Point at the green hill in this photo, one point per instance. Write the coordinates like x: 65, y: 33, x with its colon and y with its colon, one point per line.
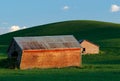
x: 106, y: 35
x: 101, y: 67
x: 103, y: 33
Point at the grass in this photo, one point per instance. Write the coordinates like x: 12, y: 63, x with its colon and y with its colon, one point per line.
x: 102, y: 67
x: 94, y: 73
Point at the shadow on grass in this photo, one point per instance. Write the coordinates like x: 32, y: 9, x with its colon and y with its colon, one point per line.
x: 4, y: 63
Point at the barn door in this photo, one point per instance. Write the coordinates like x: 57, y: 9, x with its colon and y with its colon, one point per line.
x: 14, y: 61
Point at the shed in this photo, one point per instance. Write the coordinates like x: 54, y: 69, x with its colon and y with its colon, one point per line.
x: 88, y: 47
x: 45, y: 52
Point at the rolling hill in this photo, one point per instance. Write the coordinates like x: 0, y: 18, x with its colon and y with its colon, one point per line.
x: 103, y: 33
x: 100, y: 67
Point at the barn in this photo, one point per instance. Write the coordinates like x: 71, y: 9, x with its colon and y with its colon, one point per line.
x: 45, y: 52
x: 88, y: 47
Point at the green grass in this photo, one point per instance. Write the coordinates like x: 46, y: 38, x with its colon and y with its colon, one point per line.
x: 94, y: 73
x: 102, y: 67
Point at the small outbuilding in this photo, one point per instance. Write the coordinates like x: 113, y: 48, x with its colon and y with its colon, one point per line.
x: 88, y: 47
x: 45, y: 52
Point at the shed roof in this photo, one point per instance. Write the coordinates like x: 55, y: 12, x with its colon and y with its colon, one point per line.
x: 47, y: 42
x: 81, y: 41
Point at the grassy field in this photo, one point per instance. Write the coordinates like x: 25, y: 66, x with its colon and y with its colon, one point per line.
x: 94, y: 73
x: 102, y: 67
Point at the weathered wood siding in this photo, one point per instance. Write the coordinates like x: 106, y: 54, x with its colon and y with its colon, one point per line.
x: 50, y: 58
x: 89, y: 48
x: 14, y: 47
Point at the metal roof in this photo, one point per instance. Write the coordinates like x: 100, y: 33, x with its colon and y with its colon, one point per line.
x: 47, y: 42
x: 81, y: 41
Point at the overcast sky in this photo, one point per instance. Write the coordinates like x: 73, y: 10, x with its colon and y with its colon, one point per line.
x: 20, y: 14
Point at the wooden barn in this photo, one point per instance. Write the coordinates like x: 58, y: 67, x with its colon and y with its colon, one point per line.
x: 45, y: 52
x: 88, y: 47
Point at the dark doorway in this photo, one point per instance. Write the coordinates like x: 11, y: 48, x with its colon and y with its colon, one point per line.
x: 14, y: 61
x: 83, y: 51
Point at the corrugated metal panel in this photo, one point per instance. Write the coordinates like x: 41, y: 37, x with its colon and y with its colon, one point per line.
x: 47, y: 42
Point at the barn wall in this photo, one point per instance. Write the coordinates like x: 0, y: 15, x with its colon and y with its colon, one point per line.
x: 11, y: 49
x: 14, y: 47
x: 90, y: 48
x: 50, y: 59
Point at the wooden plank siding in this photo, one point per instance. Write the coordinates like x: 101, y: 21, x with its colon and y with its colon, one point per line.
x: 50, y: 59
x: 89, y: 48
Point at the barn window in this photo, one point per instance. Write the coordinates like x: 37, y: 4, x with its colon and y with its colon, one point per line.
x: 83, y: 51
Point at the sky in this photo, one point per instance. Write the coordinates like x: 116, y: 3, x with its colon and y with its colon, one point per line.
x: 21, y: 14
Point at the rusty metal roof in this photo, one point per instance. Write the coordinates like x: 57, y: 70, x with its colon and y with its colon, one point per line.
x: 47, y: 42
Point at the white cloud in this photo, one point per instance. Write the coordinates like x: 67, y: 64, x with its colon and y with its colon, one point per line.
x: 15, y: 28
x: 3, y: 30
x: 66, y: 8
x: 24, y: 27
x: 115, y: 8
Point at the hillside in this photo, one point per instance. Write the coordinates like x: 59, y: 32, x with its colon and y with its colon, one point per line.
x: 103, y: 33
x: 106, y: 35
x: 100, y: 67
